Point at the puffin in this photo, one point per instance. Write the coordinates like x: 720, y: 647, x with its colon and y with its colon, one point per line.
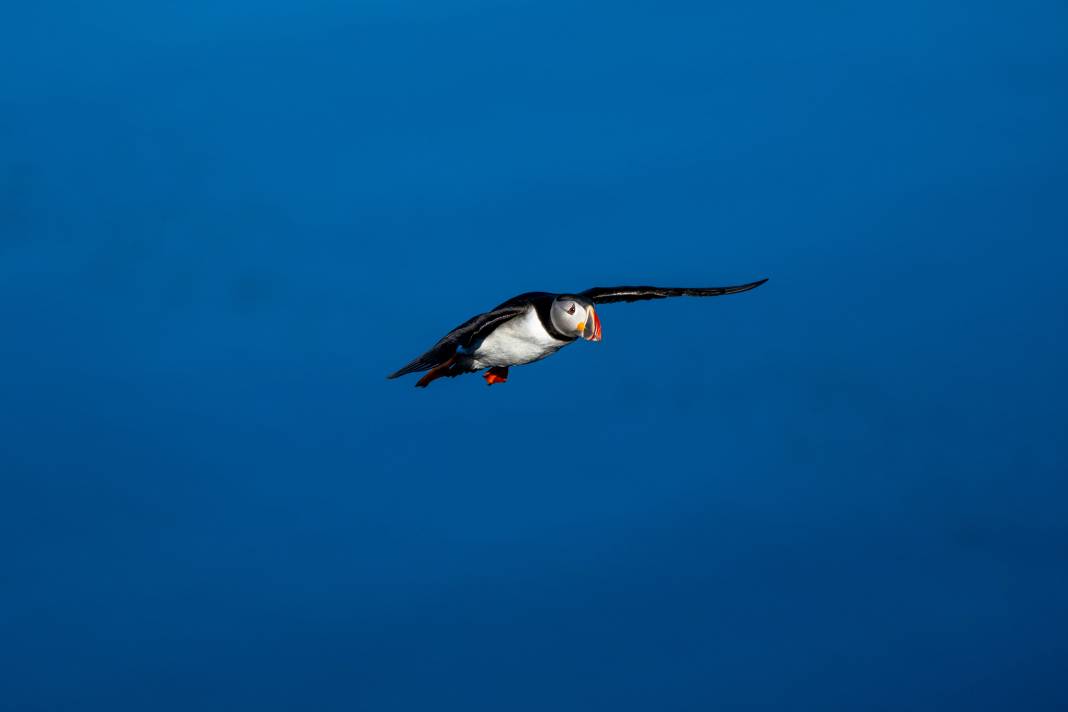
x: 532, y: 326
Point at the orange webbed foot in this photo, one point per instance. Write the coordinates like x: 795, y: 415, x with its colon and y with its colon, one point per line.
x: 496, y: 375
x: 436, y: 373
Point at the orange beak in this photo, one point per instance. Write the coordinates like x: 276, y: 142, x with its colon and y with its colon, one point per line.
x: 592, y: 330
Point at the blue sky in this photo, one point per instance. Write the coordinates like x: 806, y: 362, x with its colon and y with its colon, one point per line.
x: 223, y: 224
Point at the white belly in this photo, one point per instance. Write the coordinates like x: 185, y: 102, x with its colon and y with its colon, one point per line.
x: 521, y: 340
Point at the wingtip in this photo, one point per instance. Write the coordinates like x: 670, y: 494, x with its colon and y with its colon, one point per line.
x: 747, y: 287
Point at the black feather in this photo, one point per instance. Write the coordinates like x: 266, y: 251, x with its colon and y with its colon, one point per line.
x: 462, y: 336
x: 607, y: 295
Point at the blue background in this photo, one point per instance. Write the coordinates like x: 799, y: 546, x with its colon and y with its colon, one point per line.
x: 222, y: 224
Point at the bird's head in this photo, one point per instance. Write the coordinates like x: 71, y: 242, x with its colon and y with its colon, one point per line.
x: 575, y: 316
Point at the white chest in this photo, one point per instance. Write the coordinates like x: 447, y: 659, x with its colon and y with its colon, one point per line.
x: 521, y: 340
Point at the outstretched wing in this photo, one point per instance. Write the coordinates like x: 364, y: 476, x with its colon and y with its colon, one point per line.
x: 463, y: 335
x: 607, y: 295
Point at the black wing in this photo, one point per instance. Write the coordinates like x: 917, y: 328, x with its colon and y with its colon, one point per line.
x: 463, y: 335
x: 607, y: 295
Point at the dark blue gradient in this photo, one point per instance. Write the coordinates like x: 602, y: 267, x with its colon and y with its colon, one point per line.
x: 222, y: 224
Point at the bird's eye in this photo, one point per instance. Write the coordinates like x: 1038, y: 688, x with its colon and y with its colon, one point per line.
x: 571, y: 309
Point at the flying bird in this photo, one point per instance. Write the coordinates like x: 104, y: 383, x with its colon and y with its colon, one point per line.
x: 531, y: 326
